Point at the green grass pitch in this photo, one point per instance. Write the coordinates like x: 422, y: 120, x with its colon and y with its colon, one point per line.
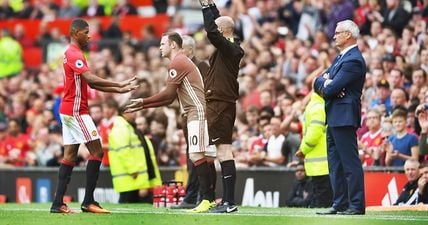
x: 144, y: 214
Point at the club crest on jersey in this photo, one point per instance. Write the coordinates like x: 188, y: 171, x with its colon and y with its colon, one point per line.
x: 94, y: 133
x: 173, y: 73
x: 79, y: 63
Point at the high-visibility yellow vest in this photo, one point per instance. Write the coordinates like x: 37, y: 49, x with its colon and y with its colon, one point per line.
x: 126, y: 157
x: 314, y: 142
x: 108, y: 5
x: 10, y: 57
x: 16, y: 5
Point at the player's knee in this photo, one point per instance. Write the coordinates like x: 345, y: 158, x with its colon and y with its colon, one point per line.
x: 210, y: 159
x: 70, y: 157
x: 196, y: 156
x: 224, y: 153
x: 98, y: 154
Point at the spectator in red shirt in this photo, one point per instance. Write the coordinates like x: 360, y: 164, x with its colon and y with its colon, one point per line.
x: 370, y: 144
x: 18, y: 146
x: 24, y: 39
x: 3, y: 156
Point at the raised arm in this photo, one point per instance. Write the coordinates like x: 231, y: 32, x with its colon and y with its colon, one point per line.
x: 219, y: 40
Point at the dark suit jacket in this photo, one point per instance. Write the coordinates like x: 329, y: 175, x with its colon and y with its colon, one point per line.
x: 348, y: 74
x: 398, y: 21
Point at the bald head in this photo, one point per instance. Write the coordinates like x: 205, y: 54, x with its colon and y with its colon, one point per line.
x: 225, y: 25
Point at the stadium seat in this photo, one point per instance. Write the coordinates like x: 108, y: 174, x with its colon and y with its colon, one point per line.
x: 32, y: 57
x: 137, y: 3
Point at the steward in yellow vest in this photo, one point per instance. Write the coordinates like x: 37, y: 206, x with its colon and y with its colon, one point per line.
x: 132, y: 160
x: 10, y: 55
x: 314, y: 150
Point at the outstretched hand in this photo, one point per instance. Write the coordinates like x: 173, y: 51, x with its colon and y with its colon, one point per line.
x: 134, y: 105
x: 129, y: 85
x: 128, y: 81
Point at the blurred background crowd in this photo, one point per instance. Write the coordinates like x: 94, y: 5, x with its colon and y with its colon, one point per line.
x: 287, y: 43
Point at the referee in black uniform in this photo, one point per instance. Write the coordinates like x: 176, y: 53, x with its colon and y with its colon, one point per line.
x: 221, y: 93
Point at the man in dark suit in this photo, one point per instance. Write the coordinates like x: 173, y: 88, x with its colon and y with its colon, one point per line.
x: 341, y: 87
x: 395, y: 16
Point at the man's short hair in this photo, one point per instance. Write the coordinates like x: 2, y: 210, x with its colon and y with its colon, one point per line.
x: 175, y: 37
x: 78, y: 24
x: 349, y: 25
x: 411, y: 161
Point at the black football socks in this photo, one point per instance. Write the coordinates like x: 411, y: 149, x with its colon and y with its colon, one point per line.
x: 92, y: 173
x: 64, y: 176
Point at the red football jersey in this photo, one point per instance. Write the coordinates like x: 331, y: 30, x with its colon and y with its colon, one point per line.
x: 75, y: 99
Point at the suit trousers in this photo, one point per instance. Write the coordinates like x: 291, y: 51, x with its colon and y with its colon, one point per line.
x: 346, y: 171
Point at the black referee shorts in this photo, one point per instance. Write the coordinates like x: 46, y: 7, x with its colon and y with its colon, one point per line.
x: 221, y: 119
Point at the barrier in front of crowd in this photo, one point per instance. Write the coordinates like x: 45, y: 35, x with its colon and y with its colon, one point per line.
x: 265, y: 187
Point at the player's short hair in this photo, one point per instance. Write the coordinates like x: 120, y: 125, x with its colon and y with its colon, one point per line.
x: 175, y: 37
x: 77, y: 25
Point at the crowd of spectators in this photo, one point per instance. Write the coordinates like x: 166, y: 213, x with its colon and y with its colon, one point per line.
x: 287, y: 43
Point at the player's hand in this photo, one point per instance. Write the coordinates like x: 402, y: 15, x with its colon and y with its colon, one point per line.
x: 134, y: 105
x: 129, y: 88
x: 129, y: 85
x: 128, y: 82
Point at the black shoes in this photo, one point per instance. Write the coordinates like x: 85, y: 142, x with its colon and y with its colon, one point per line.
x: 352, y: 212
x: 184, y: 205
x: 63, y: 208
x: 224, y: 208
x: 333, y: 211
